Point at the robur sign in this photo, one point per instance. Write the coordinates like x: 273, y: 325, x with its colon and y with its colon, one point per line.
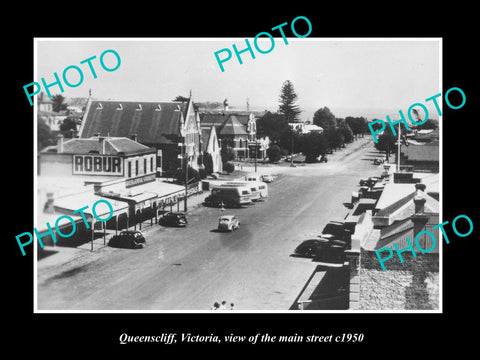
x: 97, y: 165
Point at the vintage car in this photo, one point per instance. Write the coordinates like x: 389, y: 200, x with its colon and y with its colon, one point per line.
x: 129, y: 239
x: 267, y: 178
x: 311, y: 247
x: 228, y: 223
x: 174, y: 219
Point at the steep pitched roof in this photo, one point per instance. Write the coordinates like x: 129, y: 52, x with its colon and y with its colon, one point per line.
x: 220, y: 120
x: 153, y: 122
x: 205, y: 137
x: 217, y: 120
x: 233, y: 127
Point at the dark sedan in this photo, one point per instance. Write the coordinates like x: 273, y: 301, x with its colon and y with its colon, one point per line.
x: 129, y: 239
x: 174, y: 219
x: 334, y: 230
x: 369, y: 182
x: 311, y: 248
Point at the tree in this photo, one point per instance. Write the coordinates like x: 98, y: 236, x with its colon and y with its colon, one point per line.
x: 386, y: 142
x: 287, y: 107
x: 208, y: 163
x: 44, y: 135
x: 273, y: 125
x: 324, y: 118
x: 274, y: 153
x: 313, y: 145
x: 181, y: 98
x: 288, y: 137
x: 346, y: 131
x: 66, y: 127
x: 228, y: 167
x: 430, y: 124
x: 330, y: 134
x: 57, y: 103
x: 193, y: 174
x: 227, y: 154
x: 357, y: 124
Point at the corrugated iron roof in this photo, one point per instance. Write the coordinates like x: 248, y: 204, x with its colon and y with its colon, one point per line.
x: 149, y: 120
x: 94, y: 145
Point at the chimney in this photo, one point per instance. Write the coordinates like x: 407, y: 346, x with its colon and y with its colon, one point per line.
x: 48, y: 206
x: 134, y: 137
x: 419, y: 203
x: 420, y: 186
x: 60, y: 143
x: 101, y: 140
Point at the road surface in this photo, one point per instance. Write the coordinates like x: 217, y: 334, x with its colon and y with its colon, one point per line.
x: 191, y: 268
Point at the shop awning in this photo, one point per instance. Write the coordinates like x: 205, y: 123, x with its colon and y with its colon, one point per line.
x: 69, y: 204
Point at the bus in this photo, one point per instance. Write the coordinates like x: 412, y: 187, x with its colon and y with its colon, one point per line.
x: 259, y: 189
x: 229, y: 196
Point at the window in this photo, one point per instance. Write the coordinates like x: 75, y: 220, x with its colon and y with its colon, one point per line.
x: 144, y: 165
x: 136, y: 167
x: 129, y: 169
x: 151, y: 164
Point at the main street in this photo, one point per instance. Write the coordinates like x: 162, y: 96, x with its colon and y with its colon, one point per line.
x: 193, y: 267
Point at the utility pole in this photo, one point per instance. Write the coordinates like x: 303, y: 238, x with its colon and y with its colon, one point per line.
x: 398, y: 147
x: 184, y: 159
x: 291, y: 152
x: 256, y: 149
x: 186, y: 181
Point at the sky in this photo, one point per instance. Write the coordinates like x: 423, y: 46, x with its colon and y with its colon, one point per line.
x: 350, y: 76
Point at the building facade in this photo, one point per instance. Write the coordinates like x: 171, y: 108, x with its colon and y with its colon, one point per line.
x: 99, y: 156
x: 238, y: 130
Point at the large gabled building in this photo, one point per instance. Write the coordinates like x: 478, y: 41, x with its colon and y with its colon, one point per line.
x: 172, y: 127
x: 237, y: 130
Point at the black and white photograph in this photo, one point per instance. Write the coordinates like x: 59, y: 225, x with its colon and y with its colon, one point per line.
x: 291, y: 181
x: 203, y: 179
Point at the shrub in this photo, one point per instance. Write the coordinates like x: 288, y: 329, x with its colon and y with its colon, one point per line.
x: 228, y: 167
x: 202, y: 173
x: 274, y: 153
x: 192, y: 174
x: 208, y: 163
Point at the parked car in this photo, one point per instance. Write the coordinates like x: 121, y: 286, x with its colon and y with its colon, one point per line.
x: 174, y: 219
x: 322, y: 158
x: 378, y: 161
x: 334, y: 230
x: 311, y: 248
x: 211, y: 201
x: 267, y: 178
x: 129, y: 239
x: 228, y: 223
x: 369, y: 182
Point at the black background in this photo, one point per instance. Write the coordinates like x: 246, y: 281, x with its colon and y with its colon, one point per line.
x: 385, y: 334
